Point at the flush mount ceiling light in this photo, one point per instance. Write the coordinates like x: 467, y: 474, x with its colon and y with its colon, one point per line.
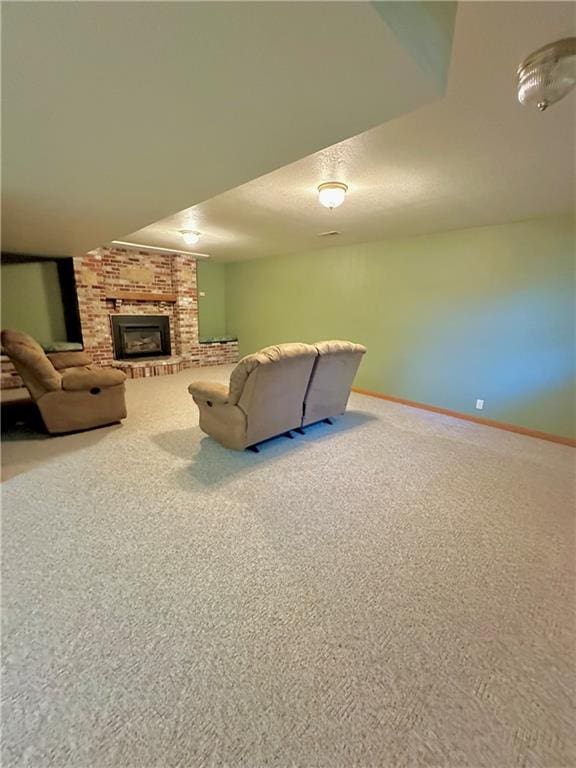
x: 548, y: 74
x: 332, y: 194
x: 190, y: 237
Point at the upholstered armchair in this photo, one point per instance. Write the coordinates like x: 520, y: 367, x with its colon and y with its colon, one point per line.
x: 264, y: 397
x: 71, y: 393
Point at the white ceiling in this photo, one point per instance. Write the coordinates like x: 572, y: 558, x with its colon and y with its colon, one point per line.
x: 475, y: 157
x: 117, y: 113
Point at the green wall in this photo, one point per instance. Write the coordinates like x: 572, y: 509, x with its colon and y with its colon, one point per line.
x: 447, y: 318
x: 211, y: 278
x: 31, y: 300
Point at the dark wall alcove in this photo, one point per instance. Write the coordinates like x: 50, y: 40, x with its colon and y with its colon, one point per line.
x: 63, y: 297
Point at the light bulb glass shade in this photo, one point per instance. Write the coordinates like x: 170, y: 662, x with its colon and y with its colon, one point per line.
x: 332, y: 193
x: 190, y: 237
x: 548, y: 74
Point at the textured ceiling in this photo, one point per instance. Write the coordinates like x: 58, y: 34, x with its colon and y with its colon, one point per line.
x: 118, y: 113
x: 475, y: 157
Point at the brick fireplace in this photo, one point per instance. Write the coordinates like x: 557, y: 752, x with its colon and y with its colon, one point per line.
x: 121, y: 282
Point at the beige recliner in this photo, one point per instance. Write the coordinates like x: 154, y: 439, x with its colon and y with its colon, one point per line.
x: 70, y: 392
x: 331, y: 380
x: 270, y: 389
x: 264, y: 398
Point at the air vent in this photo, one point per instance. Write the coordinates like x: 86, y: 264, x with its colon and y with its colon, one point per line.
x: 329, y: 234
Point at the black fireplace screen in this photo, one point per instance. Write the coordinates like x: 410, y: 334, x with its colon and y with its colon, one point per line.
x: 140, y: 336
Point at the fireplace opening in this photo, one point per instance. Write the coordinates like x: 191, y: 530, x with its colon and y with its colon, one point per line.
x: 140, y: 336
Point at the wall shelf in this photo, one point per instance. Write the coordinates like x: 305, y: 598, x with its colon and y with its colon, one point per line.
x: 134, y: 296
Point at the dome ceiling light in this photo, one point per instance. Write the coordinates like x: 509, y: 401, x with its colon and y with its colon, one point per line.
x: 332, y: 194
x: 190, y: 237
x: 548, y: 74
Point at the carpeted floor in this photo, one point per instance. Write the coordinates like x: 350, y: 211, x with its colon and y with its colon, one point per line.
x: 394, y: 590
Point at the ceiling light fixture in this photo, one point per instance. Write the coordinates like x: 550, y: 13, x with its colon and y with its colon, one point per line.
x: 190, y: 237
x: 332, y: 194
x: 548, y: 74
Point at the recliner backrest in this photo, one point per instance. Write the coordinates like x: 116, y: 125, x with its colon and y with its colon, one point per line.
x: 331, y: 380
x: 269, y: 386
x: 31, y: 362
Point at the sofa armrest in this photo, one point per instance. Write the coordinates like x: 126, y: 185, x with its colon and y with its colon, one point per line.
x: 79, y: 379
x: 209, y: 391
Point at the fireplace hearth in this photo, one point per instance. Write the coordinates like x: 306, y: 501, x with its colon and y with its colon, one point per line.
x: 139, y: 336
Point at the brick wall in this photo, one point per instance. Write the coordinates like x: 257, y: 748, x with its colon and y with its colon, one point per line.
x: 186, y: 307
x: 110, y: 270
x: 219, y: 353
x: 101, y: 274
x: 9, y: 378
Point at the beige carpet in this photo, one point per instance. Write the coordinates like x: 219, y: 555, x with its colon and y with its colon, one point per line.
x: 395, y: 590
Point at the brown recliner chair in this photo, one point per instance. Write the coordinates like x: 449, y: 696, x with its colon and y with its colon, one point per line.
x: 331, y: 380
x: 264, y: 399
x: 70, y: 392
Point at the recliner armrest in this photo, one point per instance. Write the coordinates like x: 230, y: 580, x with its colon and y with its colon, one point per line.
x: 209, y: 391
x: 62, y: 360
x: 80, y: 379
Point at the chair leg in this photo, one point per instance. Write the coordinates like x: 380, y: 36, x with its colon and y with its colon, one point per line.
x: 254, y: 448
x: 300, y: 431
x: 289, y: 434
x: 328, y: 421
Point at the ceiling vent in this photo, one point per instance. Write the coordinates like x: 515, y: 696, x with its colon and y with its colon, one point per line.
x: 332, y: 233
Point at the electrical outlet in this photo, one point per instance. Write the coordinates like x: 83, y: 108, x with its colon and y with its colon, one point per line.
x: 479, y: 405
x: 202, y: 293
